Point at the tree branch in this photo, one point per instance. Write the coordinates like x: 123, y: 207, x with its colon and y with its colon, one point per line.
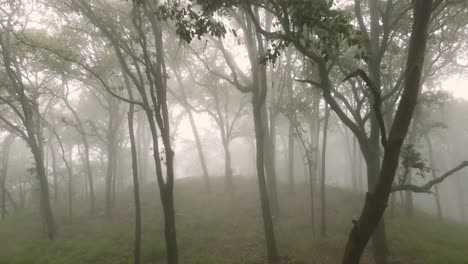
x: 377, y: 101
x: 426, y: 187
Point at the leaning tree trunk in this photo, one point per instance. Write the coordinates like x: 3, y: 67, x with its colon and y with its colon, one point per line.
x: 201, y: 155
x: 376, y: 200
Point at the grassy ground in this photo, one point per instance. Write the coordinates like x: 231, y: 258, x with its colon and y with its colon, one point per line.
x: 216, y: 229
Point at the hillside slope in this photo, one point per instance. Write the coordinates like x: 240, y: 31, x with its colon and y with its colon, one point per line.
x: 215, y: 228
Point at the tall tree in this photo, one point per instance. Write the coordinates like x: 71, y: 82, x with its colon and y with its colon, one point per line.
x: 376, y: 201
x: 22, y: 99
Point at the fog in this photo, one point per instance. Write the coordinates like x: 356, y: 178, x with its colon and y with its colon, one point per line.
x: 273, y: 131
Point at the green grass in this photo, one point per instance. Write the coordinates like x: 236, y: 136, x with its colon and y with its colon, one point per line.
x: 216, y: 229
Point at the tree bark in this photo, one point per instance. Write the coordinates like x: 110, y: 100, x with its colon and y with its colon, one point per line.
x: 262, y: 184
x: 376, y: 201
x: 269, y: 154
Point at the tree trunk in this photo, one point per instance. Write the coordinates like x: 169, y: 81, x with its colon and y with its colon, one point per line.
x: 201, y: 155
x: 433, y: 172
x: 272, y: 251
x: 109, y: 177
x: 409, y: 207
x: 291, y: 158
x: 228, y: 183
x: 323, y: 225
x: 359, y: 171
x: 115, y: 170
x: 376, y: 201
x: 136, y: 186
x: 89, y: 172
x: 111, y: 155
x: 54, y: 168
x: 354, y: 165
x: 461, y: 199
x: 70, y: 184
x: 269, y: 156
x: 4, y: 171
x: 46, y: 208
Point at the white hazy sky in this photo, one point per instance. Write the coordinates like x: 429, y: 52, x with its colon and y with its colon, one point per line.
x: 457, y: 85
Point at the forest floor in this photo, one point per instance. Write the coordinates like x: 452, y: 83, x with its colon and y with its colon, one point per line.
x: 216, y: 228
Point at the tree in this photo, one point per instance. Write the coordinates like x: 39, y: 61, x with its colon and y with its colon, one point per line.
x: 376, y: 201
x: 21, y: 98
x: 224, y: 107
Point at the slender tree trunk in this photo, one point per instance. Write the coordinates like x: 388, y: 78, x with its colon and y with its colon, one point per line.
x: 409, y: 207
x: 409, y: 204
x: 354, y: 165
x: 54, y: 168
x: 323, y: 226
x: 4, y: 171
x: 376, y: 200
x: 89, y: 172
x: 433, y: 172
x: 115, y: 170
x: 70, y: 184
x: 201, y: 155
x: 22, y: 193
x: 262, y: 184
x: 291, y: 158
x: 109, y: 177
x: 263, y: 157
x: 136, y: 185
x: 228, y: 183
x: 269, y: 162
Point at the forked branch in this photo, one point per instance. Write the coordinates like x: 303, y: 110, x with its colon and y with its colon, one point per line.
x: 426, y: 187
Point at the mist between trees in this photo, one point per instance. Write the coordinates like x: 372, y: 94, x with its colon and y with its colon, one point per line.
x: 240, y: 131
